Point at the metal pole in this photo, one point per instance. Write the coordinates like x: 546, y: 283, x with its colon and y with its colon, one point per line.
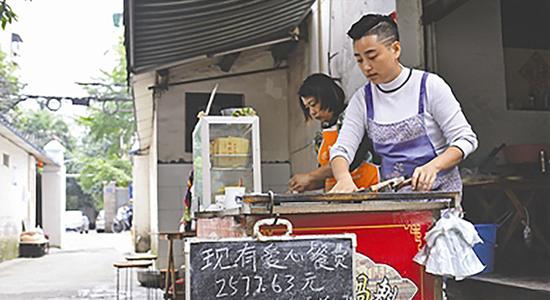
x: 117, y: 283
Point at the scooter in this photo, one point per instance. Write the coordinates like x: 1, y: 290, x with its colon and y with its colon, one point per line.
x: 123, y: 219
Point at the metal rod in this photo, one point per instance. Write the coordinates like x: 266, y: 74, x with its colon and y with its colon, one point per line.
x: 222, y: 76
x: 289, y: 198
x: 117, y: 283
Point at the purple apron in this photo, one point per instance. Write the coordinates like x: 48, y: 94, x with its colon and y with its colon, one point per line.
x: 405, y: 145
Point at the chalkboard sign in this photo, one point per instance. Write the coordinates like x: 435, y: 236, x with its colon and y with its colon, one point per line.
x: 304, y: 267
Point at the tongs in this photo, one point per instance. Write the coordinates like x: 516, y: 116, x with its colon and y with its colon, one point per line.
x: 390, y: 185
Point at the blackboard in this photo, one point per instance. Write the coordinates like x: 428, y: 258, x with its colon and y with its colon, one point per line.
x: 305, y: 267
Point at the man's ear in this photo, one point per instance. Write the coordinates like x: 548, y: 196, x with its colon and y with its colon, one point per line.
x: 396, y: 49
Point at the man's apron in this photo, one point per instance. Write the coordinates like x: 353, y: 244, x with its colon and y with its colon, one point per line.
x: 363, y: 176
x: 405, y: 145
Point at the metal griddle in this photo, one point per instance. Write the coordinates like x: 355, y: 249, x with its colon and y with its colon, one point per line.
x: 271, y: 203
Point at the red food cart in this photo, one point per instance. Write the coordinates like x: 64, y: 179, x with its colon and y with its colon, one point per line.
x: 389, y: 227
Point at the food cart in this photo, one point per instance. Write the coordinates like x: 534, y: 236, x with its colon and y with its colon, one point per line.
x: 389, y: 227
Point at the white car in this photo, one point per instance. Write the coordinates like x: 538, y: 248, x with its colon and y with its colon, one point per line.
x: 100, y: 221
x: 75, y: 220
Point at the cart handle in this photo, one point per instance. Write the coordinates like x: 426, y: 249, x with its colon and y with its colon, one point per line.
x: 271, y: 222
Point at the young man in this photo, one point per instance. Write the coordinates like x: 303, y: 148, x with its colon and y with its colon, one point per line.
x: 412, y: 117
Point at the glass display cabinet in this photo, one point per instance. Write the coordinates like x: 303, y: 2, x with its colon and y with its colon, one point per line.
x: 226, y: 153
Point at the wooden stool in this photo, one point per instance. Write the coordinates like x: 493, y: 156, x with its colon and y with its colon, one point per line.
x: 141, y: 256
x: 170, y: 280
x: 127, y: 266
x: 145, y: 257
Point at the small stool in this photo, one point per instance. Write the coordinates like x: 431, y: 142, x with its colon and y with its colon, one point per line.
x: 141, y: 256
x: 144, y: 257
x: 127, y: 266
x: 170, y: 280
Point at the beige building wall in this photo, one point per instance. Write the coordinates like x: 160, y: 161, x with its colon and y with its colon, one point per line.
x: 145, y: 165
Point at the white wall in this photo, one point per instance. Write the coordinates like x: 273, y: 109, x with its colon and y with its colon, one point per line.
x: 302, y: 152
x: 172, y: 179
x: 344, y: 14
x: 142, y: 207
x: 153, y: 187
x: 265, y: 92
x: 145, y: 169
x: 17, y: 183
x: 470, y: 58
x: 17, y: 196
x: 54, y: 189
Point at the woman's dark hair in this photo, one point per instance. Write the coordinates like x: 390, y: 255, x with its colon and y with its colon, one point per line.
x: 325, y: 90
x: 384, y: 27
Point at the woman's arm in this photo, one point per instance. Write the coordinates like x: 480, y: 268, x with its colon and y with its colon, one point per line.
x: 424, y: 176
x: 443, y: 106
x: 310, y: 181
x: 349, y: 138
x: 458, y: 133
x: 344, y: 182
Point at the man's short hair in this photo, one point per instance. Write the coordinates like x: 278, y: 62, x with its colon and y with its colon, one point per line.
x: 372, y: 24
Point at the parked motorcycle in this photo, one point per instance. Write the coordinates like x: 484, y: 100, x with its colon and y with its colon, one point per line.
x: 123, y: 219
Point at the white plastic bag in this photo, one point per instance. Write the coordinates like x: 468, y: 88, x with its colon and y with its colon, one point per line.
x: 449, y: 248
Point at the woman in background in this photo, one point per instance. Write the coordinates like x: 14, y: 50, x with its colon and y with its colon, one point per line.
x: 322, y: 99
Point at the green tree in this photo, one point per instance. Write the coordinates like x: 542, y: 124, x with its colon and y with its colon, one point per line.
x: 42, y: 126
x: 110, y: 131
x: 10, y: 86
x: 110, y: 123
x: 97, y: 171
x: 7, y: 15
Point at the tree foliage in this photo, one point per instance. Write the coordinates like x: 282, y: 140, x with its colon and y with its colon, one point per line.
x: 97, y: 171
x: 101, y: 155
x: 42, y: 126
x: 110, y: 124
x: 10, y: 86
x: 7, y: 15
x: 109, y: 132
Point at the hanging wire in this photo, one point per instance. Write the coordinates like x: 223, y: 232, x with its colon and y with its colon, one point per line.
x: 54, y: 103
x: 101, y: 84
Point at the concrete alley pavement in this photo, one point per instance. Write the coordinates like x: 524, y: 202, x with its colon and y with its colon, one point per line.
x: 83, y: 269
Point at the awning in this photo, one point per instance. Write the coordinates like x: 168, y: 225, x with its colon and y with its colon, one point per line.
x: 164, y: 32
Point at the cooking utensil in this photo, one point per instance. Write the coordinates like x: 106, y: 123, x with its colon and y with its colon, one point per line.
x: 392, y: 184
x: 212, y: 95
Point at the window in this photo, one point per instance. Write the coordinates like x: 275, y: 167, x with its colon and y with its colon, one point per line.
x: 196, y: 102
x: 6, y: 160
x: 525, y: 31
